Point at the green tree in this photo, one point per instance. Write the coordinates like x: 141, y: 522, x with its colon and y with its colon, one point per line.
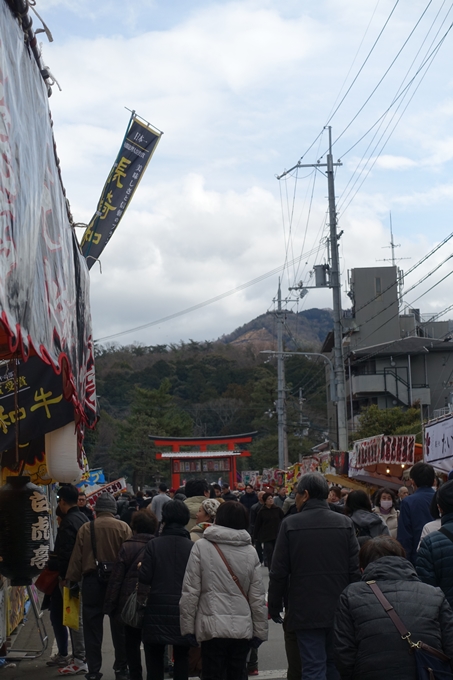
x: 374, y: 421
x: 152, y: 412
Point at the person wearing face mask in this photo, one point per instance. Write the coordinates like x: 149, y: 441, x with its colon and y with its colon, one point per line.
x: 435, y: 556
x: 385, y: 501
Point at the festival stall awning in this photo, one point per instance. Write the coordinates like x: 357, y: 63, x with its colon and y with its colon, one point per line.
x: 385, y: 454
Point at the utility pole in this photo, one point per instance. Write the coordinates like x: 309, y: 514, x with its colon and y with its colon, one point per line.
x: 281, y: 392
x: 335, y: 285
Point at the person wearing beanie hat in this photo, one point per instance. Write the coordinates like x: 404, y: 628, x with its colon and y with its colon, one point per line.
x: 109, y: 535
x: 105, y: 503
x: 205, y: 517
x: 435, y: 556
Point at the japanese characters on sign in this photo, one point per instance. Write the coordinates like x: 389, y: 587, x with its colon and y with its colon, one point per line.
x: 113, y: 487
x: 439, y: 444
x: 41, y: 407
x: 388, y: 449
x: 136, y: 152
x: 40, y: 530
x: 204, y: 465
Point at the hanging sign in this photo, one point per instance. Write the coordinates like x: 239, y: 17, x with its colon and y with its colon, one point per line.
x: 113, y: 487
x: 439, y: 444
x: 138, y: 147
x: 41, y: 406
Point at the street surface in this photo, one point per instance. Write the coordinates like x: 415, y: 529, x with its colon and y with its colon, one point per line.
x: 271, y: 655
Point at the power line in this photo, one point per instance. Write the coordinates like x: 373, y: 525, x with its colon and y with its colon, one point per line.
x: 380, y: 120
x: 206, y: 302
x: 386, y: 72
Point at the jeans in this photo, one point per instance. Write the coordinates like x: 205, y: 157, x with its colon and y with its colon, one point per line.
x: 154, y: 655
x: 133, y: 639
x: 93, y: 596
x: 221, y: 655
x: 316, y: 653
x: 56, y: 619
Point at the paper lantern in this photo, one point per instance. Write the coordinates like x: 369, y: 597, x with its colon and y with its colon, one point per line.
x: 24, y: 530
x: 62, y: 458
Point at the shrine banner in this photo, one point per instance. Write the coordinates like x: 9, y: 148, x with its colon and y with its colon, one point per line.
x: 138, y: 147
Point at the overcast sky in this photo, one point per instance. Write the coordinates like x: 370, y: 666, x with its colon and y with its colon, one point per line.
x: 241, y: 90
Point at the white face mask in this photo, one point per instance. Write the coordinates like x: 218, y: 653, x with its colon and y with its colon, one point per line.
x: 386, y: 505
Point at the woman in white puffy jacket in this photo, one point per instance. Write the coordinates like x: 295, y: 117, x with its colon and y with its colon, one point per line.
x: 226, y: 617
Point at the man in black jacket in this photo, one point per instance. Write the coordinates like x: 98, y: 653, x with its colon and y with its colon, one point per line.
x: 315, y: 558
x: 71, y: 522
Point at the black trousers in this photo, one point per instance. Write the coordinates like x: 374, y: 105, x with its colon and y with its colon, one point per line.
x: 268, y: 552
x: 133, y: 639
x: 93, y: 596
x: 292, y: 654
x: 154, y: 655
x: 220, y: 654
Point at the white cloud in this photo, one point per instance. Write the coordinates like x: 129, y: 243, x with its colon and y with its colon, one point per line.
x: 240, y: 90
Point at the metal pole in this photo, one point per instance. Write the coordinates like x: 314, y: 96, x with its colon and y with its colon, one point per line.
x: 335, y: 284
x: 281, y: 397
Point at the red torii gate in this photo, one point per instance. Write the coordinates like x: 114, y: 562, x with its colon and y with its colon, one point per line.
x: 202, y: 460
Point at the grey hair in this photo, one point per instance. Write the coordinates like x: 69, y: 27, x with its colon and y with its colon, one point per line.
x: 315, y: 484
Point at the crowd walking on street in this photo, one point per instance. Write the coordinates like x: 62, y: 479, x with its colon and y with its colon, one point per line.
x: 362, y: 586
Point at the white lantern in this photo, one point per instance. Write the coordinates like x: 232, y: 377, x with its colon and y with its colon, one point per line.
x: 62, y: 454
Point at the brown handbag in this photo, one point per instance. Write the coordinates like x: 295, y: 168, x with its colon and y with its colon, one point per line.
x: 47, y: 581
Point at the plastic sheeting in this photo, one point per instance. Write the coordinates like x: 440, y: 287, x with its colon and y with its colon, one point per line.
x: 44, y: 284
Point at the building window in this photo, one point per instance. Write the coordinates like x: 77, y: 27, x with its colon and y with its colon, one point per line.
x: 377, y: 282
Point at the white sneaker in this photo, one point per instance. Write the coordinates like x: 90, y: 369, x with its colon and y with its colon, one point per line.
x: 58, y: 660
x: 75, y: 668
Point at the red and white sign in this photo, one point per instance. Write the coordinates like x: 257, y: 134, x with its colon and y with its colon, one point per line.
x: 385, y: 449
x: 113, y: 487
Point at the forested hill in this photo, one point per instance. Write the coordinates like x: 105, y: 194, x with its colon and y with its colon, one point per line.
x: 205, y: 388
x: 302, y: 329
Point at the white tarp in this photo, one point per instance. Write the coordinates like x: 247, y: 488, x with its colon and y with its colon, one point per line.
x: 439, y: 444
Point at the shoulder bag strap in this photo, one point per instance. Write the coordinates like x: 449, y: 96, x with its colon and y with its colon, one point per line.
x: 93, y: 541
x: 446, y: 533
x: 231, y: 572
x: 389, y: 610
x: 400, y: 625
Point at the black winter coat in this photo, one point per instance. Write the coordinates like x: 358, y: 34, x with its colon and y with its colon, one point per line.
x: 163, y: 568
x: 248, y: 500
x: 66, y: 537
x: 317, y: 553
x: 268, y: 523
x: 125, y: 571
x: 367, y: 644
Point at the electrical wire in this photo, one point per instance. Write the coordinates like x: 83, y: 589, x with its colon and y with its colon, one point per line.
x: 200, y: 305
x: 392, y: 63
x: 353, y: 180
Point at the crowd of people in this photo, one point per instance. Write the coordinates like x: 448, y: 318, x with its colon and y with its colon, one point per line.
x: 190, y: 560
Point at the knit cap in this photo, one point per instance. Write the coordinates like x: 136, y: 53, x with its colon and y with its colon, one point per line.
x: 210, y: 506
x: 106, y: 503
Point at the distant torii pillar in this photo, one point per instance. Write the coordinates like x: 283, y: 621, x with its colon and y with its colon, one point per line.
x: 201, y: 460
